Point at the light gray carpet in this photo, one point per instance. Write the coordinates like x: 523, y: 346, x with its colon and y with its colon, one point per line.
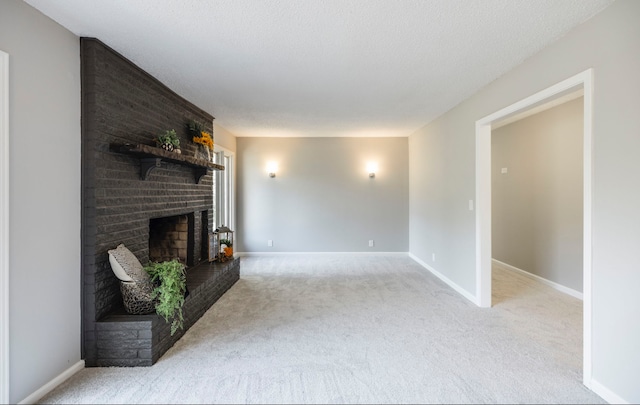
x: 359, y: 329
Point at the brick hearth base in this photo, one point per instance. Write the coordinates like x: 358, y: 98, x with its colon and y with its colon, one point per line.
x: 140, y: 340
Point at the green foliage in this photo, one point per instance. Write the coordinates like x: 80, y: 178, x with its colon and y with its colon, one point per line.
x: 226, y: 242
x: 195, y: 127
x: 169, y: 138
x: 170, y: 291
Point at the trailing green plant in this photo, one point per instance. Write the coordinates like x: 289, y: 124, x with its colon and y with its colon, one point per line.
x: 169, y: 140
x: 170, y: 292
x: 226, y: 242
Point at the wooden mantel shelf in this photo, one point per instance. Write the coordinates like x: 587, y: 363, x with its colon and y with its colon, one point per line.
x: 151, y: 158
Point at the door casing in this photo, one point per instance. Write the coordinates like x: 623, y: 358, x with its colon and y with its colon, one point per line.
x: 483, y: 198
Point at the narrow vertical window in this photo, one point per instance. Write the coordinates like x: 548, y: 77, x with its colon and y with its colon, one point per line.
x: 224, y: 190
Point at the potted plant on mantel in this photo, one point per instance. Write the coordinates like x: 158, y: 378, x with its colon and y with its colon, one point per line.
x: 170, y: 292
x: 200, y: 136
x: 169, y: 141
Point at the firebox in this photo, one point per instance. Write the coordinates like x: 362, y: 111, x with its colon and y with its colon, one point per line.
x: 172, y: 238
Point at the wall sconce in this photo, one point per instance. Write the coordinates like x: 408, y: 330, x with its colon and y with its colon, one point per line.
x: 272, y: 168
x: 372, y: 168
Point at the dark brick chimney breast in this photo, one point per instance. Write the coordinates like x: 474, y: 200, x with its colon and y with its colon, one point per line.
x: 123, y: 104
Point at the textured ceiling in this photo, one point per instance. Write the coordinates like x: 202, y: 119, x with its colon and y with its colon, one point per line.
x: 324, y: 67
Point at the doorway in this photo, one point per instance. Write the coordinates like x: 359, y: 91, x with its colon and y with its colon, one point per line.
x: 537, y: 197
x: 582, y: 81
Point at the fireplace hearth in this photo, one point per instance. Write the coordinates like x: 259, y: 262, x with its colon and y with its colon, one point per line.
x: 122, y: 104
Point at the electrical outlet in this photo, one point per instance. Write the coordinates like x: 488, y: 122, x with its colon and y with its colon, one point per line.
x: 370, y: 242
x: 433, y: 257
x: 269, y: 243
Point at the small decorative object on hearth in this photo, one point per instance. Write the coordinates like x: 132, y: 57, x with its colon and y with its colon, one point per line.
x: 169, y: 141
x: 226, y: 247
x: 135, y: 284
x: 170, y: 292
x: 221, y: 244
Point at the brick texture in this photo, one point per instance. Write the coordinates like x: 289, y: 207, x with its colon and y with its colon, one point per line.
x: 121, y: 103
x: 140, y: 340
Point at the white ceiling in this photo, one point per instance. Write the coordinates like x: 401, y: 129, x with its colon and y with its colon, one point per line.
x: 324, y: 67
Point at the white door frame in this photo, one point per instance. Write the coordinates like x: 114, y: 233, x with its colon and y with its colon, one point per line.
x: 218, y: 185
x: 4, y: 227
x: 483, y: 197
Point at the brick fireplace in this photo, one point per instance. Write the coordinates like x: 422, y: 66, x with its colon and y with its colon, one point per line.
x: 158, y: 217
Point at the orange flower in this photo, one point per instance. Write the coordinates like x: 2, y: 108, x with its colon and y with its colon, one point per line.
x: 204, y: 139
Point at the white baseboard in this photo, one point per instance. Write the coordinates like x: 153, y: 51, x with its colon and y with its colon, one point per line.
x: 48, y: 387
x: 442, y: 277
x: 552, y: 284
x: 606, y: 394
x: 250, y: 254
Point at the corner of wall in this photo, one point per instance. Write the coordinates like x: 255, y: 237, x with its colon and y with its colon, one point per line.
x: 224, y: 138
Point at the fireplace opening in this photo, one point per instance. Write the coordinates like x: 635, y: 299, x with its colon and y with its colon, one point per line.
x: 171, y: 238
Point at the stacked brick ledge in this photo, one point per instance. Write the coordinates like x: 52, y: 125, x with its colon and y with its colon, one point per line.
x: 125, y: 340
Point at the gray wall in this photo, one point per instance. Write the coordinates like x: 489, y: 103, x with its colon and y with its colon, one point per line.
x: 322, y: 199
x: 537, y: 204
x: 442, y: 180
x: 44, y: 196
